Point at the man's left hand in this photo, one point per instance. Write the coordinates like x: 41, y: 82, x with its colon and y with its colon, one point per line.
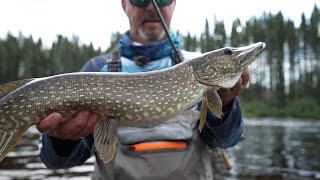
x: 228, y: 94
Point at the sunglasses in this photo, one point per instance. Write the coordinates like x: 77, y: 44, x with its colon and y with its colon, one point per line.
x: 145, y: 3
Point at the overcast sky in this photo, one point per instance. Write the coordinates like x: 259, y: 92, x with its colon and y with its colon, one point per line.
x: 95, y: 20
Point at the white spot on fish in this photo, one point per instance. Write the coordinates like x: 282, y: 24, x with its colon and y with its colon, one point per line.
x: 129, y: 117
x: 146, y: 114
x: 163, y: 114
x: 26, y: 118
x: 179, y: 106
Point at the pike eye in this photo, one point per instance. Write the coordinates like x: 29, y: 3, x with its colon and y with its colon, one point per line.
x: 228, y: 51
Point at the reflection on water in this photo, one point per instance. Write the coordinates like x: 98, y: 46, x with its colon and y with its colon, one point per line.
x: 271, y: 149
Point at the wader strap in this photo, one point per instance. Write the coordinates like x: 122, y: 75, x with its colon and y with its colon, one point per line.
x: 114, y: 63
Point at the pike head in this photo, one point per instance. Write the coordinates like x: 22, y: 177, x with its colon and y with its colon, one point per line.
x: 223, y: 67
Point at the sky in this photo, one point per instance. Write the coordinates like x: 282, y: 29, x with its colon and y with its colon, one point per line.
x: 95, y: 20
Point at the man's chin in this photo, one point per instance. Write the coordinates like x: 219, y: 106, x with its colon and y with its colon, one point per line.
x: 151, y: 36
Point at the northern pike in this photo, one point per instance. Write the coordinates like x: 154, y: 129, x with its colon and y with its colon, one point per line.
x: 122, y: 99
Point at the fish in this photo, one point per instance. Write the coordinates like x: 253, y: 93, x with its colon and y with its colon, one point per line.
x: 122, y: 99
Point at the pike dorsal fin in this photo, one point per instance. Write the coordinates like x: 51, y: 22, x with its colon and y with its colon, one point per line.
x: 11, y: 86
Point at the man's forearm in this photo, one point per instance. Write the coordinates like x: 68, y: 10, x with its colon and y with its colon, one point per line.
x: 56, y: 153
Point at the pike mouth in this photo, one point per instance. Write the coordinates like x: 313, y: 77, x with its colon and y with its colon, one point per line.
x: 262, y: 46
x: 253, y: 52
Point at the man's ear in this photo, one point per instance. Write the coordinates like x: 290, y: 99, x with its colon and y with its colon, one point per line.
x: 124, y: 4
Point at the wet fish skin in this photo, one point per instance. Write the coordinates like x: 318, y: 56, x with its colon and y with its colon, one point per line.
x: 133, y: 99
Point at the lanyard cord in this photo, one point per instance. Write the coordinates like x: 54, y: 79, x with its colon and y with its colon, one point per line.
x: 177, y: 54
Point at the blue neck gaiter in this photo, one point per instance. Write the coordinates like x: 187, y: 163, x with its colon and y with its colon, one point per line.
x: 152, y: 52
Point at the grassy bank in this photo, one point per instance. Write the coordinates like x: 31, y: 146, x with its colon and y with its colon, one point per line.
x: 297, y: 108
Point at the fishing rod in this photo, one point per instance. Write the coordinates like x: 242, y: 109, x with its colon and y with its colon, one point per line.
x: 223, y: 152
x: 177, y: 54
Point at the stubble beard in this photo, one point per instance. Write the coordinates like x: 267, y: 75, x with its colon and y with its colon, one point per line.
x: 151, y: 39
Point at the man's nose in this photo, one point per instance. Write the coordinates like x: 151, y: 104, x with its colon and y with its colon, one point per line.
x: 150, y: 6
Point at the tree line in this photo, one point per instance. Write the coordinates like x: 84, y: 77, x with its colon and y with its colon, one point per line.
x: 285, y: 78
x: 23, y: 57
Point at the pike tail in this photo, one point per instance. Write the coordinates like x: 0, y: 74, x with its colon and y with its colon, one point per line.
x: 8, y: 140
x: 9, y: 137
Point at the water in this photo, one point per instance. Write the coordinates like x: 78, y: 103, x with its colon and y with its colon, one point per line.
x: 271, y: 149
x: 276, y: 149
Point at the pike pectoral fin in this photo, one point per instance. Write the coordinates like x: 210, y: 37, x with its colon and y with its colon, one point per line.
x: 8, y: 140
x: 203, y: 114
x: 214, y: 102
x: 105, y: 138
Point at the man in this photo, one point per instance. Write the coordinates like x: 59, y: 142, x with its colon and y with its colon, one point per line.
x: 183, y: 151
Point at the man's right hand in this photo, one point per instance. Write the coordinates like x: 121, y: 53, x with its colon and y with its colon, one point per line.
x: 77, y: 127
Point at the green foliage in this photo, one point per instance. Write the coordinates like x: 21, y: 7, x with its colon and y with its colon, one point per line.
x: 22, y: 57
x: 190, y: 43
x: 298, y: 108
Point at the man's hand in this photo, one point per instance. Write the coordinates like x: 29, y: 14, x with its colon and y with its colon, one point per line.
x: 79, y: 126
x: 227, y: 95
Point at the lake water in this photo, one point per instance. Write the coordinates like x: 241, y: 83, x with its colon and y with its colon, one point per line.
x: 271, y: 149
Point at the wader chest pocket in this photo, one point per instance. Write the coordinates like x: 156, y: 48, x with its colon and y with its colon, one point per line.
x: 168, y: 137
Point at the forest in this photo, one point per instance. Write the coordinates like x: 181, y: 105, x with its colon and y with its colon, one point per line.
x: 284, y: 80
